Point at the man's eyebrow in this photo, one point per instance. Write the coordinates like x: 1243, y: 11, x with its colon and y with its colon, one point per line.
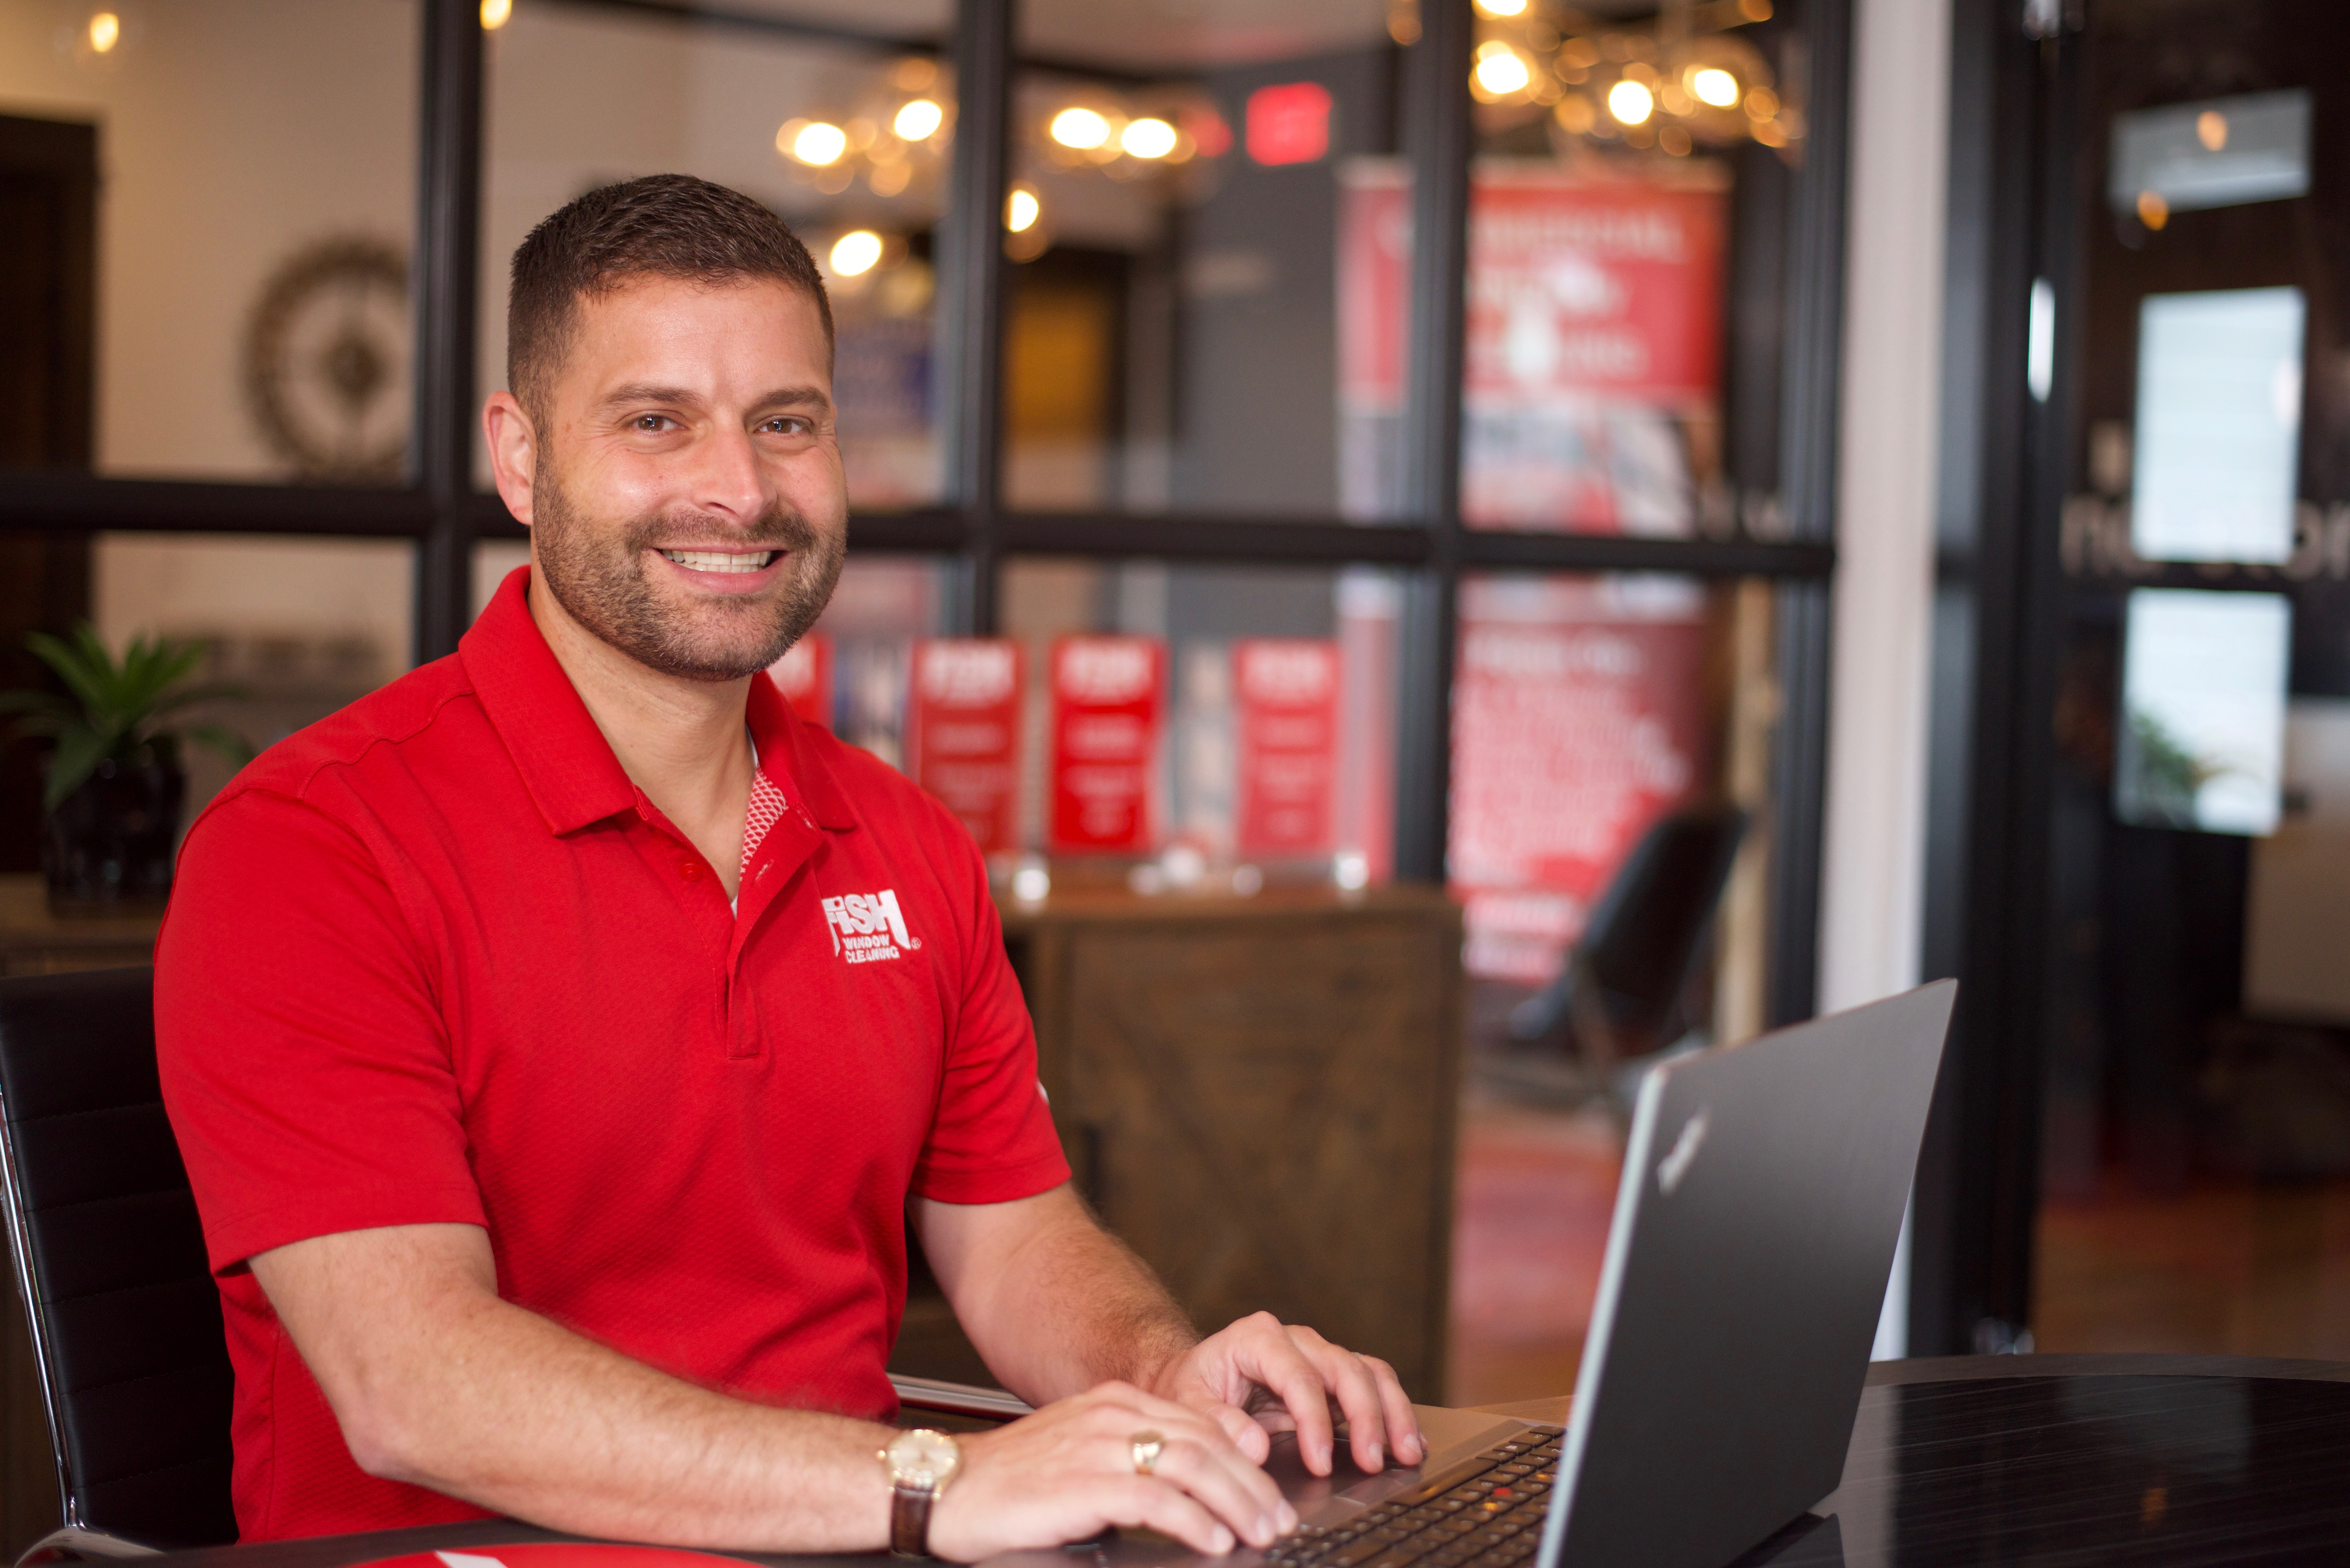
x: 795, y: 396
x: 647, y: 392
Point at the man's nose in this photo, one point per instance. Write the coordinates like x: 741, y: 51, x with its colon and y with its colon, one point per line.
x: 725, y: 477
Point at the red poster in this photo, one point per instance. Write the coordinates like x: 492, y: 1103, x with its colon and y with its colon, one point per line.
x: 1106, y: 715
x: 1289, y: 698
x: 963, y: 732
x: 1594, y: 350
x: 1578, y: 719
x: 805, y: 675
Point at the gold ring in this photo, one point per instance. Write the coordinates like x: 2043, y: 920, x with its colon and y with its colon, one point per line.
x: 1147, y: 1447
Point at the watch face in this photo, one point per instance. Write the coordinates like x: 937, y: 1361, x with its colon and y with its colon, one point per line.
x: 924, y: 1458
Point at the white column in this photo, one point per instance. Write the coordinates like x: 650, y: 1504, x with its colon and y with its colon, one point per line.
x: 1873, y: 885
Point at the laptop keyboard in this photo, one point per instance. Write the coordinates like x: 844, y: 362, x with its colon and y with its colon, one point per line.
x: 1485, y: 1512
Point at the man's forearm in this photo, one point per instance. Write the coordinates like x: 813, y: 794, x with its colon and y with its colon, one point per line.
x: 1053, y: 1303
x: 451, y: 1389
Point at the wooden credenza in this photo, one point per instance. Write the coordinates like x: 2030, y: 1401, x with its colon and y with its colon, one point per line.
x: 33, y: 941
x: 1259, y: 1096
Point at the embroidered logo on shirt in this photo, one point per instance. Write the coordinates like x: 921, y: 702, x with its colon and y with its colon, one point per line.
x: 869, y: 927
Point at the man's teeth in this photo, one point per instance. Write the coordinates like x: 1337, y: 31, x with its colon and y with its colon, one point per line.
x: 721, y: 560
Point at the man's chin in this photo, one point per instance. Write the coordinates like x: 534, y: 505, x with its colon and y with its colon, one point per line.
x: 703, y: 661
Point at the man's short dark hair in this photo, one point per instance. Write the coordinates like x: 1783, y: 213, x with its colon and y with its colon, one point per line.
x: 663, y: 225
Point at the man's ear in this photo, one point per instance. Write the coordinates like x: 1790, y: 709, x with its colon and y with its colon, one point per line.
x: 513, y: 442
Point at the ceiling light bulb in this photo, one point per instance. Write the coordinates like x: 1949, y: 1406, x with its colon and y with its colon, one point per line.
x: 104, y: 31
x: 1631, y: 103
x: 1080, y: 127
x: 819, y: 144
x: 496, y: 14
x: 917, y: 119
x: 856, y: 251
x: 1714, y: 86
x: 1148, y: 139
x: 2212, y: 130
x: 1021, y: 210
x: 1500, y: 70
x: 1501, y: 7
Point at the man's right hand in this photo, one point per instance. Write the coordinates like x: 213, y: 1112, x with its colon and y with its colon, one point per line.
x: 1067, y: 1472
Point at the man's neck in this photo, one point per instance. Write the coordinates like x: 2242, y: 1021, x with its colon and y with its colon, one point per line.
x: 682, y: 742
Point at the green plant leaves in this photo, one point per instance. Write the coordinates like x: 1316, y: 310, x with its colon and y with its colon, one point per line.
x: 118, y: 707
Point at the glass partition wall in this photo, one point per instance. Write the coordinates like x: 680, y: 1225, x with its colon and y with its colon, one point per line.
x: 1479, y: 357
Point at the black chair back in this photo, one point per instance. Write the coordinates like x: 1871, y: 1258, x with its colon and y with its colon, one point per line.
x: 1644, y: 932
x: 109, y: 1257
x: 1648, y: 925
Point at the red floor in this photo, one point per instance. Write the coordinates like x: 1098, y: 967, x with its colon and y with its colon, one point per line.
x: 2234, y: 1268
x: 1535, y: 1192
x: 2227, y: 1268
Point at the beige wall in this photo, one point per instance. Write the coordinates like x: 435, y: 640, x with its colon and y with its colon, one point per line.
x: 231, y: 133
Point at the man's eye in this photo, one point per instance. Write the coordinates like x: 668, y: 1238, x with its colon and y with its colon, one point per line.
x: 788, y: 424
x: 650, y: 421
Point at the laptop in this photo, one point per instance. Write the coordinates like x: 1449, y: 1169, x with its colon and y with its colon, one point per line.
x: 1755, y: 1230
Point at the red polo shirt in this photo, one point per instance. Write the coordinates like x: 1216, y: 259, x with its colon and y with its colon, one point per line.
x: 435, y: 959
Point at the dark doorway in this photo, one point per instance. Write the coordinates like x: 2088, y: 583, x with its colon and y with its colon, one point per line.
x: 48, y: 271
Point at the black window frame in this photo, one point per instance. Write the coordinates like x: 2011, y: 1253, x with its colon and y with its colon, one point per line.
x: 438, y: 507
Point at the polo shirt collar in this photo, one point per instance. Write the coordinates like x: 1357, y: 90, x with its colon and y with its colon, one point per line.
x: 566, y: 763
x: 788, y: 754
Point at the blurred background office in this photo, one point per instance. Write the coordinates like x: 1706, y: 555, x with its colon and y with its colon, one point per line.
x: 1760, y: 502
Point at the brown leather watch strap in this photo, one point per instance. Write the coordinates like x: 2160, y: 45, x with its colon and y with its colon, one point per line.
x: 910, y: 1520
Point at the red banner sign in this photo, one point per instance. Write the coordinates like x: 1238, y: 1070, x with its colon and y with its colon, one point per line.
x: 962, y: 740
x: 805, y: 676
x: 1287, y: 690
x: 1106, y: 717
x: 1593, y: 344
x: 1577, y: 719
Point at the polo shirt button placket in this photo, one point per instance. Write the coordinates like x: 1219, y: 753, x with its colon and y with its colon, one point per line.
x: 689, y: 871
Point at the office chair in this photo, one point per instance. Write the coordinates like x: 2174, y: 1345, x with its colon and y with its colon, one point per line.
x: 1622, y: 985
x: 110, y: 1258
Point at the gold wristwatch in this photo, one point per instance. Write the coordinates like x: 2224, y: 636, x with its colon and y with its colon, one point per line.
x: 920, y: 1463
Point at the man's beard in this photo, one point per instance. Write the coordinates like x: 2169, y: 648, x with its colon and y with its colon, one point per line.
x: 600, y: 578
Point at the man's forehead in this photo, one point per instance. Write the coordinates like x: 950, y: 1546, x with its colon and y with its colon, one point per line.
x: 649, y: 313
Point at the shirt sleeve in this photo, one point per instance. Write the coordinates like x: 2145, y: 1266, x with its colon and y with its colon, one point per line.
x: 305, y: 1064
x: 993, y: 1140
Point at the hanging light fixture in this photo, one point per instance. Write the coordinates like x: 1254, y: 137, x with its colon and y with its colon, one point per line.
x: 855, y: 253
x: 1687, y: 77
x: 1080, y: 128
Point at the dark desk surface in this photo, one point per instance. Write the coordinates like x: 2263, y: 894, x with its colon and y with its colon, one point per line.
x: 2071, y: 1460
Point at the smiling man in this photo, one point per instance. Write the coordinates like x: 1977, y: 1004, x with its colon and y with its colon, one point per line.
x: 553, y: 1157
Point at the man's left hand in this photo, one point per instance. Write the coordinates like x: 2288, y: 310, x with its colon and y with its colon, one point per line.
x: 1262, y: 1375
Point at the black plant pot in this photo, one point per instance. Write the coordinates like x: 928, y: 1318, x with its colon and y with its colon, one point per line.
x: 109, y: 843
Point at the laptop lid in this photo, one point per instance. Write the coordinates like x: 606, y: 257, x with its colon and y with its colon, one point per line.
x: 1755, y: 1230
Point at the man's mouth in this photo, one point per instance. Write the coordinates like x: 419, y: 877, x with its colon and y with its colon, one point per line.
x: 721, y: 560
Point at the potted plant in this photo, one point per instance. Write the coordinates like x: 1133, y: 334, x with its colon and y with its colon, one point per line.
x: 115, y: 784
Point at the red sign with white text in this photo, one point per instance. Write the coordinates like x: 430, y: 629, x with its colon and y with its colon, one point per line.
x: 1576, y: 285
x: 1578, y: 719
x: 1593, y: 358
x: 1106, y: 717
x: 803, y: 675
x: 962, y: 733
x: 1287, y: 693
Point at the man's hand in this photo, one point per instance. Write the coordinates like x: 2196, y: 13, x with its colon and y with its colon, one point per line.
x: 1067, y: 1472
x: 1056, y: 1306
x: 1263, y: 1376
